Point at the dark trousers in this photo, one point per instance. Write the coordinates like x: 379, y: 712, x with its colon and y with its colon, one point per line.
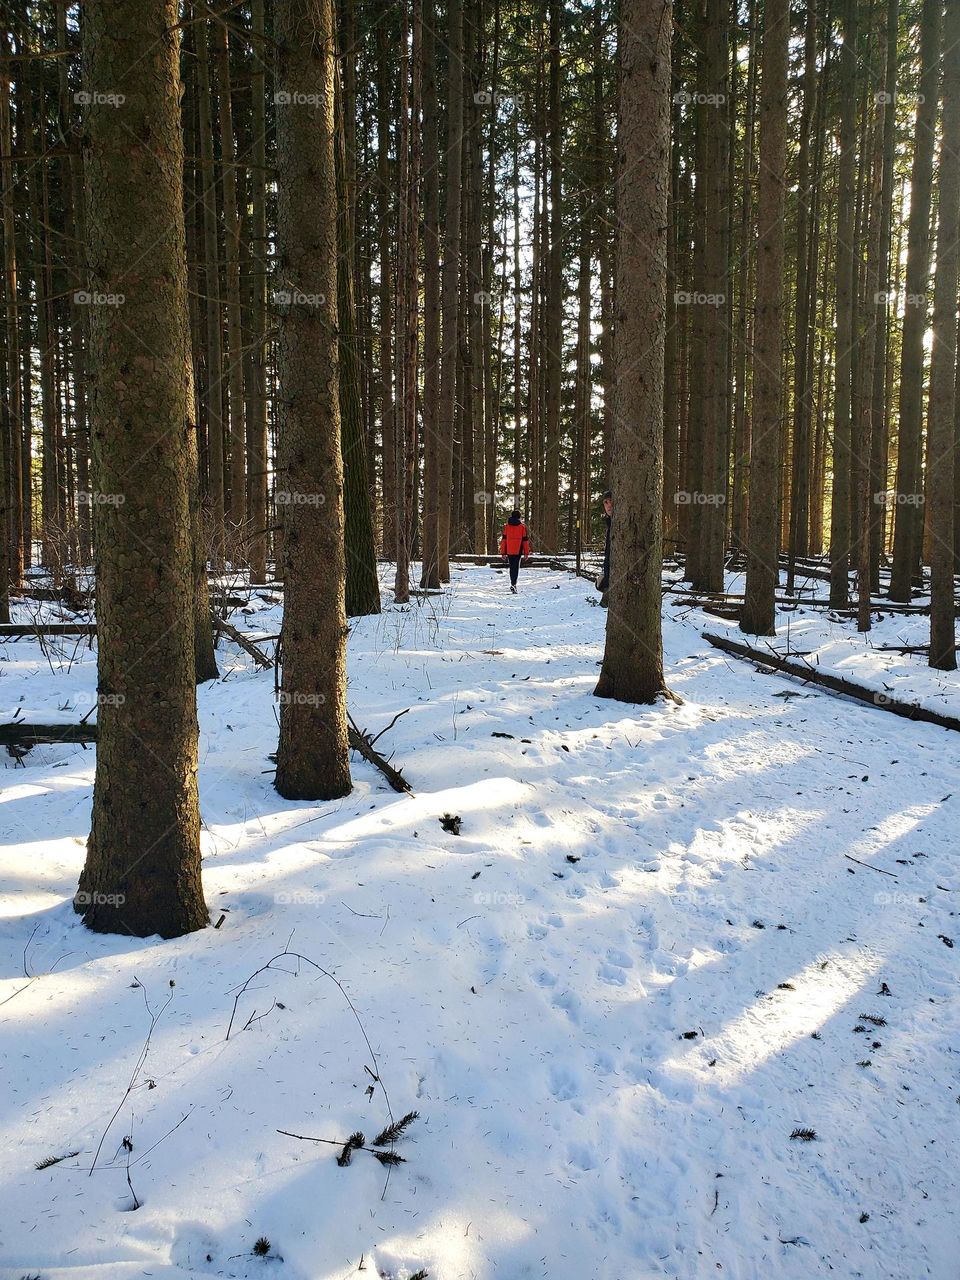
x: 514, y: 569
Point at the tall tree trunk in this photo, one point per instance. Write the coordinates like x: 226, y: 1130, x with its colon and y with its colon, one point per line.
x: 430, y: 553
x: 312, y: 757
x: 450, y: 284
x: 142, y: 873
x: 908, y: 523
x: 388, y: 409
x: 941, y: 437
x: 759, y: 609
x: 11, y: 487
x: 846, y: 313
x: 213, y: 383
x: 881, y: 382
x: 550, y: 514
x: 236, y: 514
x: 257, y: 436
x: 802, y: 440
x: 362, y: 584
x: 716, y: 269
x: 632, y: 669
x: 408, y: 292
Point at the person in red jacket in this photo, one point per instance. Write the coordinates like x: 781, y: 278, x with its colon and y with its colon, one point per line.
x: 513, y: 545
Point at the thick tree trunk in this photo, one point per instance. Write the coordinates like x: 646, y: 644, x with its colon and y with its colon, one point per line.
x: 312, y: 758
x: 759, y: 608
x: 632, y: 668
x: 941, y: 439
x: 142, y: 873
x: 553, y: 336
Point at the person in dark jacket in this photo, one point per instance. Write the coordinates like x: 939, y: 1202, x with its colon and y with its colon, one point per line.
x: 514, y: 545
x: 603, y: 582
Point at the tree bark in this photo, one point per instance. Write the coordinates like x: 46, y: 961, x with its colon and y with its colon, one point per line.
x: 908, y: 523
x: 759, y: 607
x: 432, y: 447
x: 846, y: 312
x: 142, y: 873
x: 450, y: 284
x: 632, y: 669
x: 941, y: 439
x: 236, y: 513
x: 362, y: 583
x: 313, y: 756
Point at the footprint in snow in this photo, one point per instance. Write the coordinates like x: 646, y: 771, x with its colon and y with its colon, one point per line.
x: 564, y: 1085
x: 612, y: 975
x: 544, y: 978
x: 619, y: 958
x: 582, y: 1157
x: 570, y: 1004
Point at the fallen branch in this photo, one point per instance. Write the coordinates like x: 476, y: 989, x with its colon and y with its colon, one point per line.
x: 257, y: 654
x: 835, y: 684
x: 362, y: 742
x: 869, y: 867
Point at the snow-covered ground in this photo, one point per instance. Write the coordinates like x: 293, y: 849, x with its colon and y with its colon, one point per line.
x: 661, y: 944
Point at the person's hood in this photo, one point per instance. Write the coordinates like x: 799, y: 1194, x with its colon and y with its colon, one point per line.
x: 514, y: 520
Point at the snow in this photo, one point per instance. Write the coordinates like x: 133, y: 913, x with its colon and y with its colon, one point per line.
x: 642, y: 965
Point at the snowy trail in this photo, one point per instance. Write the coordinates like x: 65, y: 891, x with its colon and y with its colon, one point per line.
x: 643, y: 963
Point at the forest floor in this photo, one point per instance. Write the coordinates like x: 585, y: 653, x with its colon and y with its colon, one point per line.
x: 645, y: 964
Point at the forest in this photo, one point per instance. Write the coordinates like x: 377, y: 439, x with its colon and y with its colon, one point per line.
x: 479, y: 569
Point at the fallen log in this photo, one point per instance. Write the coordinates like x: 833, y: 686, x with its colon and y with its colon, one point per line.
x: 835, y: 684
x: 19, y: 738
x: 24, y: 736
x: 20, y: 630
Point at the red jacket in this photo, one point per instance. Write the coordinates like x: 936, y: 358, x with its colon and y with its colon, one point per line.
x: 514, y: 541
